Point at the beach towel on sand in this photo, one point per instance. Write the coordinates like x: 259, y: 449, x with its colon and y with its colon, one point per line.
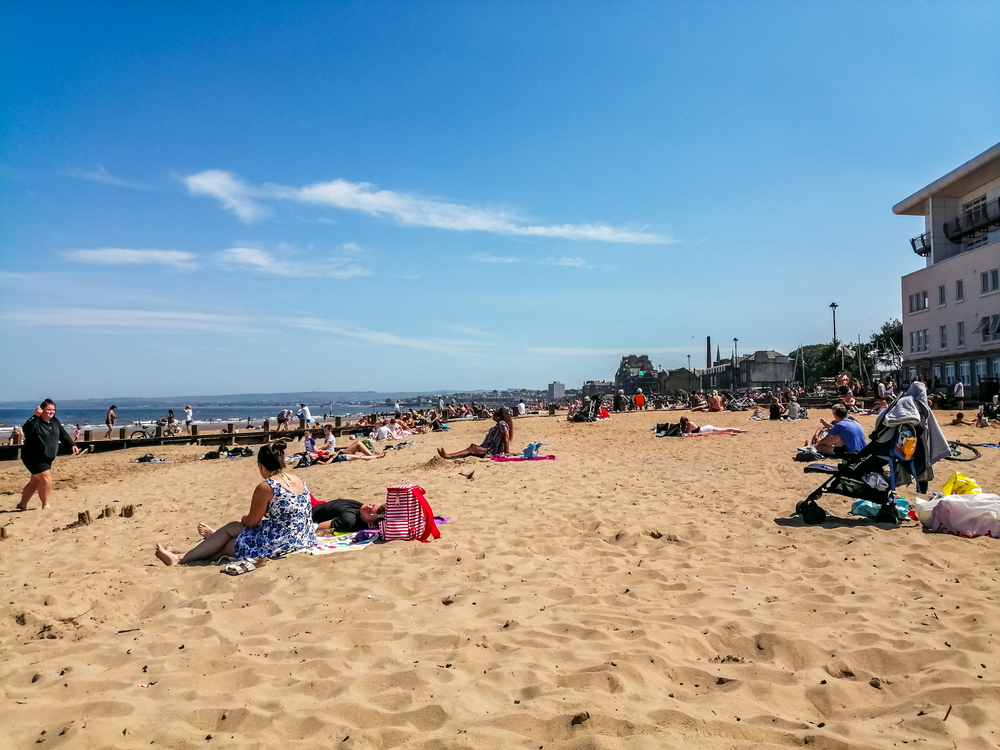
x: 327, y: 544
x: 518, y: 458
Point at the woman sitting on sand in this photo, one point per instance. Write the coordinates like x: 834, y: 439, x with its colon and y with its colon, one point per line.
x: 279, y: 520
x: 690, y: 429
x: 497, y: 442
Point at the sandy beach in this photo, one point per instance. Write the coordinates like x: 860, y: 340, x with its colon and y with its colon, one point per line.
x: 633, y: 593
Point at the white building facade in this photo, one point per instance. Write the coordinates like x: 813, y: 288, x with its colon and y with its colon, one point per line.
x: 951, y: 307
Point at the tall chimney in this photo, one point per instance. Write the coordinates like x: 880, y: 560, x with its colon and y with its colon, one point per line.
x: 708, y: 351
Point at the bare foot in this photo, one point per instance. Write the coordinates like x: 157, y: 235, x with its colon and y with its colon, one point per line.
x: 442, y: 453
x: 167, y: 556
x: 22, y: 507
x: 205, y: 531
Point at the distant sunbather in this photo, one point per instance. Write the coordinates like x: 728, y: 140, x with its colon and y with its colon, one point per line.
x: 356, y: 451
x: 961, y: 420
x: 690, y: 429
x: 347, y: 515
x: 497, y: 442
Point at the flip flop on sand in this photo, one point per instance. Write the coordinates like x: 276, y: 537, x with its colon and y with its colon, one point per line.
x: 244, y: 566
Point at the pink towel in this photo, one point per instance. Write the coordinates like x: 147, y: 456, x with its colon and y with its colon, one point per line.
x: 515, y: 458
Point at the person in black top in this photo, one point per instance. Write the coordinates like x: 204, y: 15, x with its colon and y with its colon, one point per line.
x: 42, y: 435
x: 346, y: 515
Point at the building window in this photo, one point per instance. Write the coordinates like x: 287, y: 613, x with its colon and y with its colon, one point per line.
x: 919, y: 341
x: 996, y: 367
x: 918, y: 302
x: 936, y: 370
x: 959, y: 290
x: 990, y: 328
x: 944, y: 337
x: 949, y: 373
x: 961, y: 333
x: 963, y: 371
x: 941, y: 298
x: 913, y: 374
x: 980, y: 370
x: 975, y: 211
x: 989, y: 281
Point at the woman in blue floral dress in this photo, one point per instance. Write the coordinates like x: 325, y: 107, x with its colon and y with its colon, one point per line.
x: 279, y: 520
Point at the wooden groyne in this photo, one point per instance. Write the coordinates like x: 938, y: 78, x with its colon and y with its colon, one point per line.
x: 229, y: 436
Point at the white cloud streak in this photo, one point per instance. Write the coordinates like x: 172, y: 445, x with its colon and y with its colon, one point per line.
x: 451, y: 347
x: 487, y: 258
x: 149, y: 320
x: 231, y: 192
x: 103, y: 176
x: 124, y: 256
x: 571, y: 262
x: 315, y: 266
x: 405, y: 209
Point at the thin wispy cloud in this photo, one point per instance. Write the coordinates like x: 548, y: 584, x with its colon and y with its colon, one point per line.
x: 403, y: 208
x: 104, y: 320
x: 113, y: 256
x: 316, y: 266
x: 487, y: 258
x: 571, y: 262
x: 560, y: 351
x: 103, y: 176
x: 231, y: 192
x: 451, y: 347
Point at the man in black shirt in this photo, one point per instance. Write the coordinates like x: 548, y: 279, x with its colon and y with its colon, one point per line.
x: 347, y: 515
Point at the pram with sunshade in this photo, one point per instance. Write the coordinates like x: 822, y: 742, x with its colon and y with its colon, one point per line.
x: 904, y: 446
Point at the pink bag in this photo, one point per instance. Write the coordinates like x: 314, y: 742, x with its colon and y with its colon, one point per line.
x: 408, y: 516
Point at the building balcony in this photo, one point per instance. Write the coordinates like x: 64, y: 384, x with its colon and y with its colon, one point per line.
x: 922, y: 244
x: 982, y: 219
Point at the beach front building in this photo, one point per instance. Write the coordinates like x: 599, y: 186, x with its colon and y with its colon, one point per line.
x: 557, y: 391
x: 764, y: 368
x: 951, y: 307
x: 635, y: 372
x: 680, y: 379
x: 593, y: 388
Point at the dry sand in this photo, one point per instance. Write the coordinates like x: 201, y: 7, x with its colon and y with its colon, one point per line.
x: 633, y: 593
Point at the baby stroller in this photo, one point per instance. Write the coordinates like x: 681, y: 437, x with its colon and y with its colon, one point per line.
x: 903, y: 448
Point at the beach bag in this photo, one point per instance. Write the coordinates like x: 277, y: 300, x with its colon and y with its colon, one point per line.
x: 668, y: 430
x: 906, y: 443
x: 968, y: 515
x: 408, y: 516
x: 959, y: 484
x: 811, y: 512
x: 531, y: 450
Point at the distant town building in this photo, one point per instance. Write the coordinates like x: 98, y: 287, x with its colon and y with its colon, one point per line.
x: 557, y: 391
x: 597, y: 388
x: 951, y: 307
x: 635, y: 372
x: 679, y: 379
x: 764, y: 368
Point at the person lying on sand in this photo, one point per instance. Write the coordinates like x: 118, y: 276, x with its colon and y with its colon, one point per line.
x: 496, y: 443
x: 690, y: 429
x: 279, y: 520
x: 347, y: 515
x: 356, y: 451
x: 961, y: 420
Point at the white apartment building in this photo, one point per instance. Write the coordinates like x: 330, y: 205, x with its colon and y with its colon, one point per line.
x: 951, y: 308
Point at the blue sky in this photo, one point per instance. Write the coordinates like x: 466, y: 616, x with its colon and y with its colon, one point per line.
x: 254, y: 197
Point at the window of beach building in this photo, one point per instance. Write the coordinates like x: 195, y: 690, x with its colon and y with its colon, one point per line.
x: 936, y: 371
x: 975, y: 211
x: 961, y: 333
x: 944, y: 337
x: 980, y: 370
x: 949, y: 373
x: 918, y: 302
x: 996, y: 367
x: 959, y: 290
x: 989, y: 281
x: 941, y: 295
x: 963, y: 371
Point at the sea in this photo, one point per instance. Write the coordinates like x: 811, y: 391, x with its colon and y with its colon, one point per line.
x: 90, y: 418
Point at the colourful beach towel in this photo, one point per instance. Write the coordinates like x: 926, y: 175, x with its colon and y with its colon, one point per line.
x: 516, y: 458
x: 328, y: 544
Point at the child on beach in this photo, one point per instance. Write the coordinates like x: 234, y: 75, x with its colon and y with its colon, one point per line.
x: 496, y: 443
x: 961, y: 420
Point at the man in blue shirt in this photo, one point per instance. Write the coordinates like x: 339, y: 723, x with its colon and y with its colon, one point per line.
x: 844, y: 435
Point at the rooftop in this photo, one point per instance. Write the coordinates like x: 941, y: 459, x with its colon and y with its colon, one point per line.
x: 977, y: 171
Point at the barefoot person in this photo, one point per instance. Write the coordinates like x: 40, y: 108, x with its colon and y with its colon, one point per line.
x: 42, y: 436
x: 110, y: 420
x: 497, y: 442
x: 356, y: 451
x: 279, y: 520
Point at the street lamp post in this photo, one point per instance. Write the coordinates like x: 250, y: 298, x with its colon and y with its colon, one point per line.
x: 689, y: 373
x: 834, y: 306
x: 736, y: 363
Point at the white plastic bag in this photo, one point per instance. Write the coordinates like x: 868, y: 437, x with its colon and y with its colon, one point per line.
x: 961, y: 515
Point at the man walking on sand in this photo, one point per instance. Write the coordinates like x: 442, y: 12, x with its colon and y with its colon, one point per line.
x: 959, y: 394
